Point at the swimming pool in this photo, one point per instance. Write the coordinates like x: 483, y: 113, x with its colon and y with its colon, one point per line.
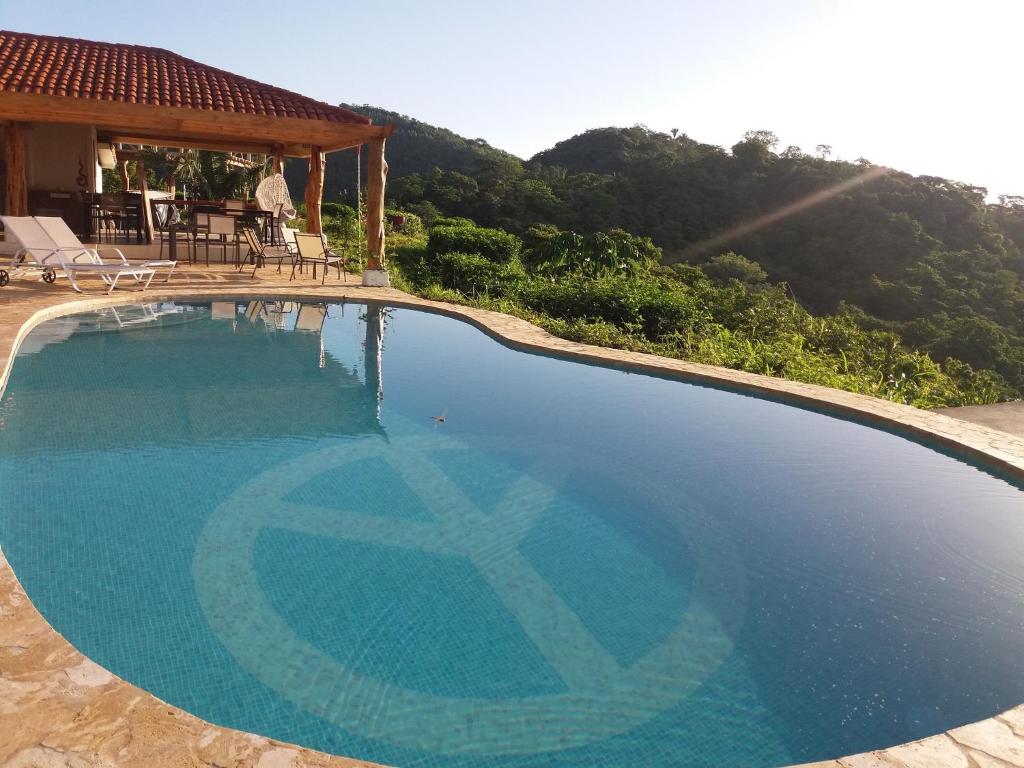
x: 249, y: 510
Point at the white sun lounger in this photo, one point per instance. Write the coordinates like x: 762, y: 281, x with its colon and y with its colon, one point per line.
x: 34, y: 247
x: 39, y: 251
x: 68, y: 242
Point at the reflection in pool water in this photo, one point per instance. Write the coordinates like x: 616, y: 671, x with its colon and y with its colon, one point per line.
x: 249, y: 510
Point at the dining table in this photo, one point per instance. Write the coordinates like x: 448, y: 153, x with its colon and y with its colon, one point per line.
x: 264, y: 220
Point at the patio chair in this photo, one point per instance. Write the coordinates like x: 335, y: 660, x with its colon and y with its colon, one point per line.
x: 313, y: 249
x: 200, y: 231
x: 68, y: 242
x: 168, y: 226
x: 113, y: 216
x: 39, y: 249
x: 288, y: 238
x: 275, y: 222
x: 222, y: 231
x: 259, y: 254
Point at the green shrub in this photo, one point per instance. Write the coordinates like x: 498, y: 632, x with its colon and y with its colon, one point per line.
x: 453, y: 221
x: 641, y: 305
x: 341, y: 227
x: 402, y: 222
x: 427, y: 211
x: 472, y: 274
x: 594, y: 255
x: 538, y: 237
x: 493, y: 244
x: 337, y: 210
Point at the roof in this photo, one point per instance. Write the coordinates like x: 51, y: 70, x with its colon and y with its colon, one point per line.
x: 134, y: 74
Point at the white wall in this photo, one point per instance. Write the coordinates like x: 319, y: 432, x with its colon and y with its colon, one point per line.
x: 57, y: 153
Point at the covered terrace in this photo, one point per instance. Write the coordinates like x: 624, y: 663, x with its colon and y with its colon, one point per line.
x: 67, y: 103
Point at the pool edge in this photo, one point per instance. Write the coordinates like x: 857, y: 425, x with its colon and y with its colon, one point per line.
x: 84, y: 712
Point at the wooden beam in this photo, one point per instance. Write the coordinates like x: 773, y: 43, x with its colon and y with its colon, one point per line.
x: 15, y: 184
x: 314, y: 190
x: 177, y: 142
x: 217, y: 145
x: 178, y: 124
x: 278, y: 159
x: 214, y: 145
x: 376, y: 180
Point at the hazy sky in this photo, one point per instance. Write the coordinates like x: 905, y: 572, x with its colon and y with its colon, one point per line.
x: 928, y: 87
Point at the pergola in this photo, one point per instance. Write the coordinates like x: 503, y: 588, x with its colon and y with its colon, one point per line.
x: 150, y: 96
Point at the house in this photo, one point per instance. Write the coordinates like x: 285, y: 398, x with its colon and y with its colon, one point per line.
x: 66, y: 105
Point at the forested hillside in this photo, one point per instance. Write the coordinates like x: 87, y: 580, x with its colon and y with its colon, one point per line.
x: 415, y: 148
x: 922, y: 256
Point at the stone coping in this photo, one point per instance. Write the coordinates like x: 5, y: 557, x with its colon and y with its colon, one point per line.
x: 58, y: 708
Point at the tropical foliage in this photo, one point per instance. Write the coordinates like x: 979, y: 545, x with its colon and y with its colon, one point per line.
x: 924, y: 261
x: 195, y: 172
x: 724, y: 313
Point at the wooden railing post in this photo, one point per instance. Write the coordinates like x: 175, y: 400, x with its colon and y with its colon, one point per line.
x: 314, y: 190
x: 15, y: 184
x: 376, y: 179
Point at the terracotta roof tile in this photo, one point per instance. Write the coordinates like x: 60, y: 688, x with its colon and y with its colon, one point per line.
x: 134, y: 74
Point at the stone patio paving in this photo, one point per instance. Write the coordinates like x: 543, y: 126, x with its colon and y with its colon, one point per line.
x: 1007, y: 417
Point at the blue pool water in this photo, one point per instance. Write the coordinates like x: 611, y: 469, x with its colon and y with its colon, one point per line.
x: 249, y: 511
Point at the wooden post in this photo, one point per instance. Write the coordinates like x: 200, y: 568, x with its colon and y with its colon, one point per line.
x: 140, y: 180
x: 140, y: 174
x: 278, y: 159
x: 314, y: 190
x: 359, y: 185
x: 15, y: 185
x: 122, y: 170
x: 376, y: 178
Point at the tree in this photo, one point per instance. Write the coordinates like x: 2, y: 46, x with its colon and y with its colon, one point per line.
x: 754, y: 151
x: 732, y: 266
x: 823, y: 150
x: 426, y: 210
x: 766, y: 139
